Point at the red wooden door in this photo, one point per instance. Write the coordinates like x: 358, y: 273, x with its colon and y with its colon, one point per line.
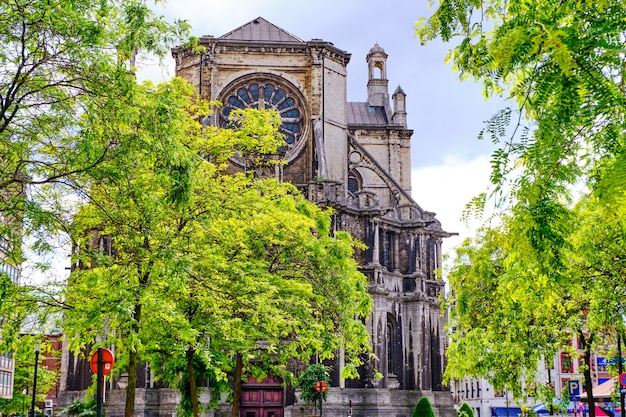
x: 262, y: 399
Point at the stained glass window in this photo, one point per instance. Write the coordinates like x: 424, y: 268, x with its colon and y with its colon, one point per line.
x: 269, y: 94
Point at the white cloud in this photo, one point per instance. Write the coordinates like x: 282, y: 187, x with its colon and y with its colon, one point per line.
x: 445, y: 189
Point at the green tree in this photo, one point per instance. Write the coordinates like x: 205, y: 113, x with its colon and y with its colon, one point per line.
x: 308, y: 379
x: 465, y: 411
x: 423, y: 408
x: 200, y: 271
x: 23, y: 350
x: 561, y: 66
x: 59, y: 61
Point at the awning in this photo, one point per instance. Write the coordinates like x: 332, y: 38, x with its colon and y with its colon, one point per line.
x: 541, y: 409
x: 604, y: 391
x: 505, y: 411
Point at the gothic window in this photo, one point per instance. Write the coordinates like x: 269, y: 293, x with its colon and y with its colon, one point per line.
x: 354, y: 182
x: 393, y: 359
x: 266, y: 92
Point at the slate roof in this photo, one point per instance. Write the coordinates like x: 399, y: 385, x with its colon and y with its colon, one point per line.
x: 260, y: 29
x: 362, y: 114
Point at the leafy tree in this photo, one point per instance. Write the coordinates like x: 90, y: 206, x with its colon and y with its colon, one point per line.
x: 60, y: 61
x: 465, y: 411
x: 200, y: 271
x: 24, y: 356
x: 423, y: 408
x: 561, y: 65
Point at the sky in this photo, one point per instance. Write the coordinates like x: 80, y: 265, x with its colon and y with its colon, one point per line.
x: 449, y: 164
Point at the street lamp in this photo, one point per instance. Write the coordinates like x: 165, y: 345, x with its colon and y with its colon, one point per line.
x: 37, y: 350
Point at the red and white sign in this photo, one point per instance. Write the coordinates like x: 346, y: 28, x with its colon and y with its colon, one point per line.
x: 107, y: 361
x: 320, y: 386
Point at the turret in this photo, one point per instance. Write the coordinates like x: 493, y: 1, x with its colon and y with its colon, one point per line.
x: 399, y: 107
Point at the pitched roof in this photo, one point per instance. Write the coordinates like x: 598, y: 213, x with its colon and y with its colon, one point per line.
x: 260, y: 29
x: 362, y: 114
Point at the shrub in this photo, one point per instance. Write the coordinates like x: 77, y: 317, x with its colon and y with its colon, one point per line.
x: 465, y: 411
x: 423, y: 408
x: 307, y: 380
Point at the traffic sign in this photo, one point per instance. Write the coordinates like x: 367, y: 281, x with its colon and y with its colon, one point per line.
x: 320, y: 386
x: 622, y: 379
x: 107, y: 361
x: 574, y: 390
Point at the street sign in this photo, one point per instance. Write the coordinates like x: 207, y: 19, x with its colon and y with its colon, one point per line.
x: 574, y: 390
x: 320, y: 386
x: 107, y: 361
x: 622, y: 379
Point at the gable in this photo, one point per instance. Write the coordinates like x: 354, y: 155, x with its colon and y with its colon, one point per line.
x: 260, y: 29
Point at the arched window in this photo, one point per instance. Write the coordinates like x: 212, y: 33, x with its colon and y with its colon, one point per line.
x: 354, y: 182
x: 392, y: 346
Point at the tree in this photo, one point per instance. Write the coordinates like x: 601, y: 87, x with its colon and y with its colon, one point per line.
x: 561, y: 65
x: 308, y: 380
x: 423, y: 408
x: 60, y: 61
x: 200, y: 271
x: 24, y: 357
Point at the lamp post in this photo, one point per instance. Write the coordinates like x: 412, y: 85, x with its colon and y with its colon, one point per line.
x: 37, y: 350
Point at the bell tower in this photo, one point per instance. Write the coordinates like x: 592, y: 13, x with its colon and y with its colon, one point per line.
x: 377, y: 84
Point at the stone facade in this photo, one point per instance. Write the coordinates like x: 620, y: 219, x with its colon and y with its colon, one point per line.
x: 354, y: 157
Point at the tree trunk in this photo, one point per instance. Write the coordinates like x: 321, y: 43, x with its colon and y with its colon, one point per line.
x: 237, y: 385
x: 191, y: 376
x: 131, y: 388
x: 585, y: 346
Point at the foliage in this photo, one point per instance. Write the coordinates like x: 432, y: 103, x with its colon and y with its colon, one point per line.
x: 561, y: 63
x: 23, y: 350
x: 561, y: 66
x: 423, y: 408
x: 60, y: 60
x: 200, y: 270
x: 465, y: 411
x: 80, y: 409
x: 309, y: 378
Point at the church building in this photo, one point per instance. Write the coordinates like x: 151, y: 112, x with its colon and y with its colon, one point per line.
x: 354, y: 157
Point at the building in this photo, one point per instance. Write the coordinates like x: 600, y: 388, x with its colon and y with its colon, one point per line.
x: 355, y: 157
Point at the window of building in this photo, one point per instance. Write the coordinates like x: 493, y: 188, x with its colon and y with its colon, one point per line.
x: 354, y: 182
x: 566, y: 363
x: 265, y: 92
x: 392, y: 346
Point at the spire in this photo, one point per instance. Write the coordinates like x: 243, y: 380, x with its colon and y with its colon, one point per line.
x: 399, y: 107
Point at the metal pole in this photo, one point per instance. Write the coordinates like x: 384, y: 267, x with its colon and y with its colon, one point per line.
x: 621, y: 370
x: 99, y: 385
x: 32, y: 408
x: 506, y: 393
